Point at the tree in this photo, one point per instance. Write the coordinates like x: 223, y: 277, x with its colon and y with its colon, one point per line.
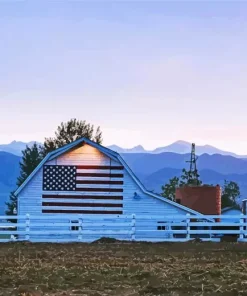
x: 190, y: 178
x: 230, y: 192
x: 31, y: 157
x: 12, y: 206
x: 169, y: 189
x: 69, y: 132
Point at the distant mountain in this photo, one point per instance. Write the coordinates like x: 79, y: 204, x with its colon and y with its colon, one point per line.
x: 136, y: 149
x: 9, y: 172
x: 15, y: 147
x: 180, y: 147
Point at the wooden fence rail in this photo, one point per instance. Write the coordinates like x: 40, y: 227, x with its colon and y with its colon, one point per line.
x: 87, y: 228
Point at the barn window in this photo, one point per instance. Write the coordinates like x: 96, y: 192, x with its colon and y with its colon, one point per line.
x: 161, y: 227
x: 76, y: 228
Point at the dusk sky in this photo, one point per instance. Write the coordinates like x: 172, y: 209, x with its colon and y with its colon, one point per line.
x: 148, y: 73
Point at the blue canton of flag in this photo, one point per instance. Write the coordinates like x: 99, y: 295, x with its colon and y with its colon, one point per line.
x: 59, y: 178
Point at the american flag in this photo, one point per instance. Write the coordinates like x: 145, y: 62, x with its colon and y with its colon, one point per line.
x: 94, y: 182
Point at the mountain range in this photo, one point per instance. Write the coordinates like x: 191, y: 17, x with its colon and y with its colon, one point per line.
x: 180, y: 147
x: 154, y: 169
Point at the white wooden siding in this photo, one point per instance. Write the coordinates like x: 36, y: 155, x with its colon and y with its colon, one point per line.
x: 85, y: 155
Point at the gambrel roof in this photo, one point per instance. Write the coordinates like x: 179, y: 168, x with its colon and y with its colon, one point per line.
x: 111, y: 154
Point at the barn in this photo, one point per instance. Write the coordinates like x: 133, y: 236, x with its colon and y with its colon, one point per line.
x: 84, y: 179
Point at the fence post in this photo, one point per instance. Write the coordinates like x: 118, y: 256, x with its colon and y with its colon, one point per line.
x: 188, y: 226
x: 241, y: 228
x: 210, y: 232
x: 133, y: 227
x: 80, y: 230
x: 27, y: 236
x: 169, y: 229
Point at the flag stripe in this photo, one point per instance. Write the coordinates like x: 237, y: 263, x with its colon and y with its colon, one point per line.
x: 99, y: 175
x: 106, y: 197
x: 99, y: 189
x: 109, y: 182
x: 98, y: 167
x: 82, y: 201
x: 93, y: 205
x: 95, y: 171
x: 81, y: 212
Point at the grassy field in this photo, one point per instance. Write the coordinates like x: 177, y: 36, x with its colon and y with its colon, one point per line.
x: 123, y: 269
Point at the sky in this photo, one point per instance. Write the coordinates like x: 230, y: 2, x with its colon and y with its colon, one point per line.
x: 146, y: 72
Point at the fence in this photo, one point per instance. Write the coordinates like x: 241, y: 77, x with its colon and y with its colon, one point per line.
x: 87, y: 228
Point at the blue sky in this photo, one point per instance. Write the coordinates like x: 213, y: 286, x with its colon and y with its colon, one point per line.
x: 148, y: 73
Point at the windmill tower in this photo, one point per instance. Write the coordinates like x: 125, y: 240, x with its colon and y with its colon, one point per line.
x: 193, y: 173
x: 202, y: 198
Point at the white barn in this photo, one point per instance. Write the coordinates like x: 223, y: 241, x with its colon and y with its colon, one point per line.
x: 84, y: 179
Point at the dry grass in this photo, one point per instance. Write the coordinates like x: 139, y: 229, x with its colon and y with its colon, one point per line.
x: 123, y: 269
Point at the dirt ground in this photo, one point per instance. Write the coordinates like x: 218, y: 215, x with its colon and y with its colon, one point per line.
x: 123, y: 269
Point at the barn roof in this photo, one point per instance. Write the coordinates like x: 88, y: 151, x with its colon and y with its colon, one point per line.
x: 110, y: 153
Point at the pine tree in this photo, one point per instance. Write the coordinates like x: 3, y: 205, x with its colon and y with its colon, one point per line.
x: 31, y: 157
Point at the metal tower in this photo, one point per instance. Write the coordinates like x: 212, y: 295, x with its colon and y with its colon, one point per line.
x: 193, y: 174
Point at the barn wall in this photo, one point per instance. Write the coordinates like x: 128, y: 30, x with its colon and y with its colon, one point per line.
x: 30, y: 198
x: 145, y: 205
